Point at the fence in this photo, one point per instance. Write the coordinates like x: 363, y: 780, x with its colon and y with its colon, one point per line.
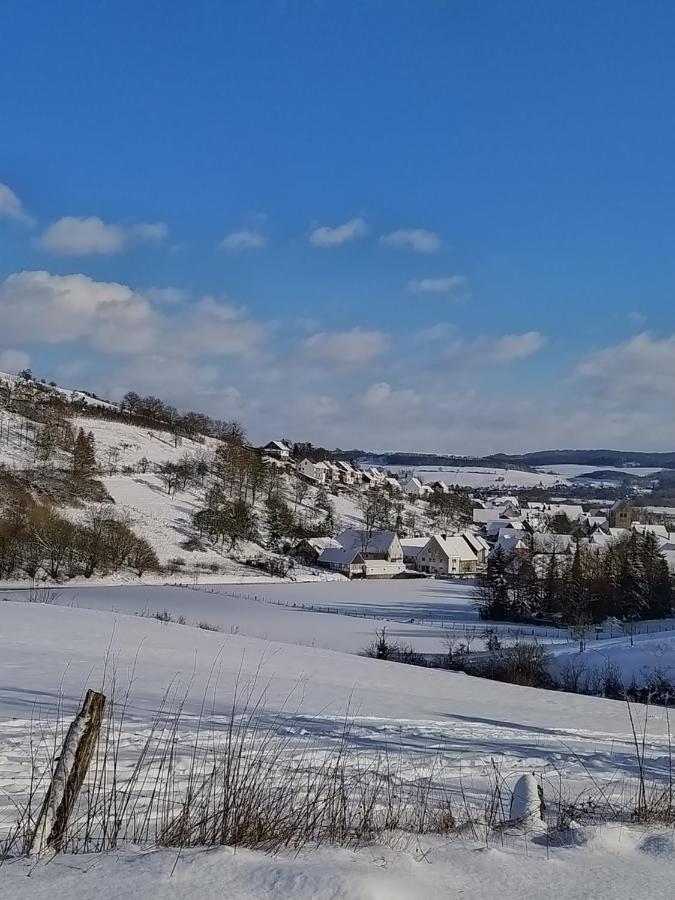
x: 463, y: 629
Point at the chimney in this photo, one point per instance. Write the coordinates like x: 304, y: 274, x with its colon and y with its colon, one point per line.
x: 444, y: 536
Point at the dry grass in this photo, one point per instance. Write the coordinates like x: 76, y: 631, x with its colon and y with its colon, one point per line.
x: 248, y: 779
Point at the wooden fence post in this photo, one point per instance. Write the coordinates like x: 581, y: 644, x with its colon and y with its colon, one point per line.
x: 69, y: 774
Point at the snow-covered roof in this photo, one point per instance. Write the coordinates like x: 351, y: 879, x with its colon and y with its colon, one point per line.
x: 340, y: 556
x: 377, y: 542
x: 572, y: 511
x: 412, y: 546
x: 658, y: 530
x: 277, y: 445
x: 475, y: 541
x: 323, y: 543
x: 454, y: 546
x: 503, y: 501
x: 596, y: 521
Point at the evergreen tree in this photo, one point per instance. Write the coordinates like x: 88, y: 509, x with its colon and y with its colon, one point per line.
x: 494, y: 593
x: 84, y: 455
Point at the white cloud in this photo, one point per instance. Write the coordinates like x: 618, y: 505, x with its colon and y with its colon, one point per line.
x: 443, y: 285
x: 516, y: 346
x: 418, y: 239
x: 11, y: 207
x: 495, y: 350
x: 165, y: 295
x: 438, y: 332
x: 13, y: 361
x: 56, y: 309
x: 642, y: 367
x: 152, y: 232
x: 89, y: 235
x: 325, y: 236
x: 243, y: 239
x: 346, y: 348
x: 380, y: 398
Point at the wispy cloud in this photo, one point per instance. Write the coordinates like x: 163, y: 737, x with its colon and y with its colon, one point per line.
x: 327, y: 236
x: 243, y: 239
x: 418, y: 239
x: 90, y: 235
x: 13, y: 361
x: 346, y: 348
x: 11, y: 207
x: 503, y: 349
x: 443, y: 285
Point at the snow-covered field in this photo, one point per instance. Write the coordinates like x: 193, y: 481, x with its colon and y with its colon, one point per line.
x: 49, y: 654
x: 571, y: 471
x: 608, y: 863
x: 481, y: 477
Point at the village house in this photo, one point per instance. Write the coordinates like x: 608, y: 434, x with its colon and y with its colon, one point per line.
x: 479, y: 546
x: 447, y: 555
x: 277, y: 449
x: 308, y: 550
x: 384, y: 545
x: 347, y: 561
x: 414, y: 488
x: 317, y: 471
x: 347, y: 474
x: 412, y: 547
x: 361, y: 554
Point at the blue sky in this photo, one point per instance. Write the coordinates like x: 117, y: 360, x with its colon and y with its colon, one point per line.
x: 433, y: 225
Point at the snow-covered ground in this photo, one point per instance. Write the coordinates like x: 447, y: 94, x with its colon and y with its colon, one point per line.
x: 481, y: 476
x: 608, y: 863
x: 49, y: 654
x: 446, y: 726
x: 571, y: 471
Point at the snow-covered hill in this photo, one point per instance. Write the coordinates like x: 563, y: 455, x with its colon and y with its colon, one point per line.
x: 130, y: 456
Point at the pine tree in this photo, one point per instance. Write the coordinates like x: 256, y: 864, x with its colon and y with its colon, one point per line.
x: 657, y: 586
x: 84, y: 455
x: 494, y: 600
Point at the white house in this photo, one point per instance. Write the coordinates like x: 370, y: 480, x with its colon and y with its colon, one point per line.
x: 378, y: 545
x: 317, y: 471
x: 347, y: 474
x: 277, y: 449
x: 414, y: 488
x: 479, y: 546
x: 447, y: 555
x: 412, y: 547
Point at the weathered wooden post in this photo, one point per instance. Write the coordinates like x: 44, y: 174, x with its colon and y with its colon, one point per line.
x: 68, y: 777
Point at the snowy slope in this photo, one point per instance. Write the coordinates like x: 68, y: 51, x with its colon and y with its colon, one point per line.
x: 481, y: 476
x: 608, y: 864
x: 445, y: 725
x: 48, y: 651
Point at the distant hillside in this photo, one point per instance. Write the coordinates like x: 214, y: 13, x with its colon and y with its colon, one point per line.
x: 600, y: 458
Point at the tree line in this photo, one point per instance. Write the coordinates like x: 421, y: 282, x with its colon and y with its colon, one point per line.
x: 36, y: 542
x: 628, y: 579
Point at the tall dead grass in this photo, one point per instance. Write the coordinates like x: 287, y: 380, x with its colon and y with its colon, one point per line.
x: 248, y: 779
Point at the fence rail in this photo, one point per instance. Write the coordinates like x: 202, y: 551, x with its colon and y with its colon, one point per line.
x: 465, y: 629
